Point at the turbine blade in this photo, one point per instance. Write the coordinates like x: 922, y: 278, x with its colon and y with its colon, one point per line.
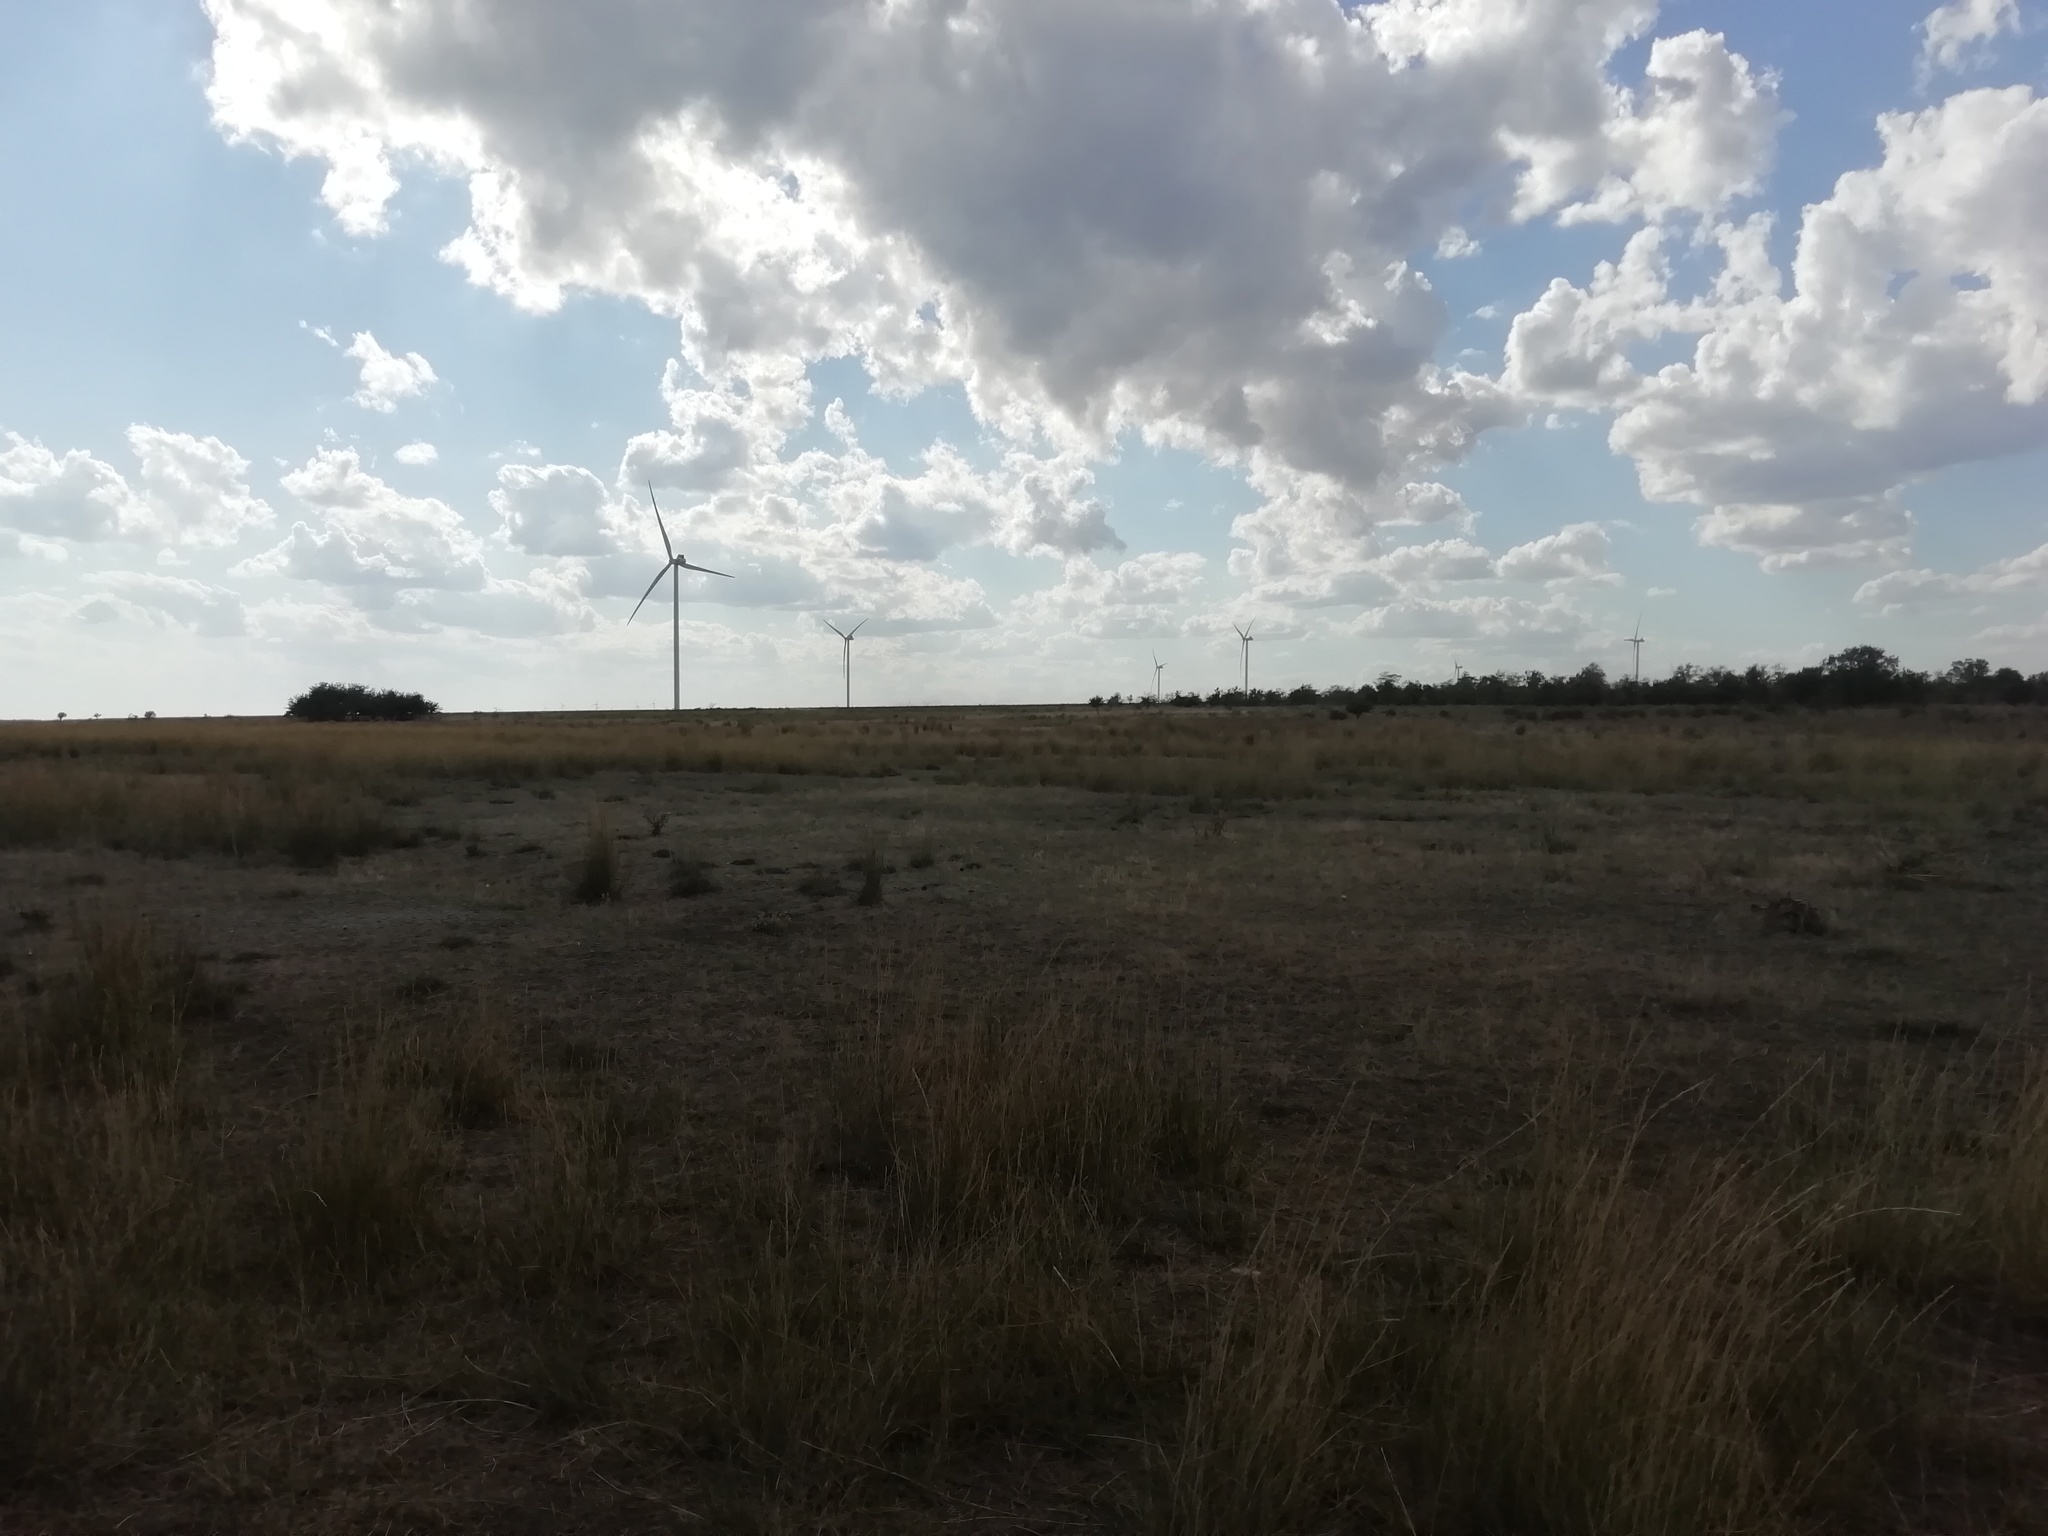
x: 659, y: 523
x: 833, y: 627
x: 647, y: 594
x: 704, y: 568
x: 855, y: 630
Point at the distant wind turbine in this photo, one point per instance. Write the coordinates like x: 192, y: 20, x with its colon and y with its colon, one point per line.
x: 674, y: 571
x: 846, y: 654
x: 1158, y: 670
x: 1244, y: 637
x: 1636, y: 640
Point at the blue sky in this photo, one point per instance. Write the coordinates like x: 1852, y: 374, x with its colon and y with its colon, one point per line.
x: 1145, y: 347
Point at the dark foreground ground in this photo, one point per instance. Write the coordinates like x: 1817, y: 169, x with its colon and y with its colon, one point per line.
x: 892, y: 1153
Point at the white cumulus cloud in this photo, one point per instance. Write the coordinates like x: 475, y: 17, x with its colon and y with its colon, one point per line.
x: 1955, y: 34
x: 75, y: 496
x: 387, y: 377
x: 189, y: 491
x: 195, y: 490
x: 417, y: 454
x: 1197, y: 223
x: 1911, y: 333
x: 1576, y: 552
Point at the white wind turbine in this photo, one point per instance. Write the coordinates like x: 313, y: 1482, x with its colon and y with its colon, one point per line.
x: 1636, y: 640
x: 674, y: 571
x: 1244, y: 638
x: 846, y: 653
x: 1158, y: 671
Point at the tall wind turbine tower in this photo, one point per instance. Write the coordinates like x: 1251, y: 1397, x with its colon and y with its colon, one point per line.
x: 1636, y: 640
x: 1244, y: 645
x: 1158, y: 670
x: 846, y: 654
x: 674, y: 571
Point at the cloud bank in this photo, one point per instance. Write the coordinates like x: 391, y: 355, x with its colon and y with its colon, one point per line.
x: 1197, y: 224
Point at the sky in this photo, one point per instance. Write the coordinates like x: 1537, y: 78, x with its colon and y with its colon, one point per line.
x: 1043, y: 338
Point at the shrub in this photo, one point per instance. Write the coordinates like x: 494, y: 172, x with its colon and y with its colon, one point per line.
x: 353, y: 701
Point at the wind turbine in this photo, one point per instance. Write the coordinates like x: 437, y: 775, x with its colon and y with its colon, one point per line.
x: 846, y: 653
x: 1244, y: 637
x: 674, y: 571
x: 1636, y: 640
x: 1158, y: 667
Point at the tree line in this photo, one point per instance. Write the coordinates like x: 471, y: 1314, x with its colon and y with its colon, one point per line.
x: 1861, y: 675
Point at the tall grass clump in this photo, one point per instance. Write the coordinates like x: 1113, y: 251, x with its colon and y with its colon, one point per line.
x: 318, y: 825
x: 312, y: 814
x: 118, y: 1011
x: 579, y: 1212
x: 967, y: 1120
x: 1940, y: 1162
x: 106, y: 1234
x: 872, y: 866
x: 1275, y: 1430
x: 1638, y: 1357
x: 467, y: 1063
x: 359, y: 1190
x: 820, y: 1354
x: 597, y: 872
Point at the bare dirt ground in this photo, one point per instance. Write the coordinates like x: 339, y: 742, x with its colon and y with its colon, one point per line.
x: 1387, y: 981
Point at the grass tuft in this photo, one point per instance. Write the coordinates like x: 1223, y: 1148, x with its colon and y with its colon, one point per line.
x: 358, y: 1191
x: 1065, y: 1116
x: 597, y: 873
x: 690, y: 877
x: 872, y: 866
x: 1630, y: 1358
x: 118, y: 1012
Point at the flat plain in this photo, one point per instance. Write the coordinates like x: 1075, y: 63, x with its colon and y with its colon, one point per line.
x: 1171, y: 1120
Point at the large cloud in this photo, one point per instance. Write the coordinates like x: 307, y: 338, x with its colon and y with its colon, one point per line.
x: 1195, y: 222
x: 191, y: 491
x: 75, y: 496
x: 1914, y: 336
x: 411, y: 562
x: 195, y: 490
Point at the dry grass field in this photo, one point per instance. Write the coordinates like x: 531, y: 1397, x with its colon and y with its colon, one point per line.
x: 1196, y: 1123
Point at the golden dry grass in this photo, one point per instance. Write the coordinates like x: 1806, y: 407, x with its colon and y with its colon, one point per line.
x: 1277, y: 752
